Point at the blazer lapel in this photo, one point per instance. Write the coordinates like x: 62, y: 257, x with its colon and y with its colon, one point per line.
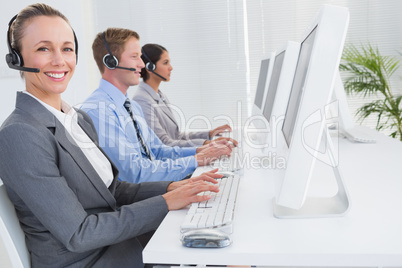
x: 163, y: 105
x: 65, y: 140
x: 91, y: 134
x: 166, y: 109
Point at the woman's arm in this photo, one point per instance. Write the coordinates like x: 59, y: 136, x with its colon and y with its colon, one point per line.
x: 54, y: 195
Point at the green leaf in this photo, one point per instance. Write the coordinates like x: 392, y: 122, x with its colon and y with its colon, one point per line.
x: 368, y: 73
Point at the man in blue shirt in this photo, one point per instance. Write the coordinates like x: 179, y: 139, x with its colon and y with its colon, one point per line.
x: 123, y: 132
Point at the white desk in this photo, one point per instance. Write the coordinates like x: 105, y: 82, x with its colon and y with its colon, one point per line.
x: 369, y: 235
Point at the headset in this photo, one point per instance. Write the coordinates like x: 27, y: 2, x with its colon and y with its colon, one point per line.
x: 111, y: 61
x: 14, y: 59
x: 150, y: 66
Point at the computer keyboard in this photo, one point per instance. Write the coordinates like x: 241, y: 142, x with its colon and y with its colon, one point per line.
x: 217, y: 212
x: 230, y: 163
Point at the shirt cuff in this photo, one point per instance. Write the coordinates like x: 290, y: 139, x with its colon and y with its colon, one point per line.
x: 195, y: 162
x: 188, y: 151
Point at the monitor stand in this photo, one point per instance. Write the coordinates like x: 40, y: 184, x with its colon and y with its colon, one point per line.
x: 319, y: 207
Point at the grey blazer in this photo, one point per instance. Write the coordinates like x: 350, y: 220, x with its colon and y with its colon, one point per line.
x: 70, y: 218
x: 160, y: 118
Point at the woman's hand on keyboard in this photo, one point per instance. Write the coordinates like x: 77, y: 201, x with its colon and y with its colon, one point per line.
x: 208, y: 176
x: 219, y: 130
x: 188, y: 192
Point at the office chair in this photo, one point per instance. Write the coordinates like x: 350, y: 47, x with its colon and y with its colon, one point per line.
x: 11, y: 233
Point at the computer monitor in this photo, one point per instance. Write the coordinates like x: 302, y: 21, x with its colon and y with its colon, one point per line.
x: 257, y: 127
x: 279, y: 89
x: 263, y: 81
x: 300, y: 140
x: 273, y: 85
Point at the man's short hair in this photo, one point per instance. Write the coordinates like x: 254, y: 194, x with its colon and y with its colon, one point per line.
x: 116, y: 38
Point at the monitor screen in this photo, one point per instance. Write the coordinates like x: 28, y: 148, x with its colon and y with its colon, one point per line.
x: 297, y: 87
x: 273, y: 85
x: 259, y: 95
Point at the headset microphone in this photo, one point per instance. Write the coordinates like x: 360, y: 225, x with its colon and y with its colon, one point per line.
x: 11, y: 63
x: 111, y: 61
x: 150, y: 66
x: 124, y: 68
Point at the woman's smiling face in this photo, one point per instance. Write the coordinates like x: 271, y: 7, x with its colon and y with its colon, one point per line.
x: 48, y: 44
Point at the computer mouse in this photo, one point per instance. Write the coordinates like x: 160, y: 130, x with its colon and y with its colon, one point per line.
x: 205, y: 238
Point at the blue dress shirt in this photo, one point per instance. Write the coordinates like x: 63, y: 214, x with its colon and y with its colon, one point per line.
x: 118, y: 139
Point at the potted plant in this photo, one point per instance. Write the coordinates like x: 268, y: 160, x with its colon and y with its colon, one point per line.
x: 368, y: 73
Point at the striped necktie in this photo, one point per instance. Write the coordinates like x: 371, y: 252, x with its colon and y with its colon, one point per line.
x: 127, y: 105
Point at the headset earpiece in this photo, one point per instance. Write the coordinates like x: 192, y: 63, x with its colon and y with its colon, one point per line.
x: 150, y: 66
x: 110, y: 61
x: 14, y: 58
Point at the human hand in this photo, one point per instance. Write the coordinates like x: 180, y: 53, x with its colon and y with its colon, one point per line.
x: 219, y: 130
x: 213, y: 152
x: 188, y: 193
x: 209, y: 176
x: 212, y: 173
x: 231, y: 141
x: 216, y: 142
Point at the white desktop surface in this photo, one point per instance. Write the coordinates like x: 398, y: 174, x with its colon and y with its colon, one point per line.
x: 370, y: 234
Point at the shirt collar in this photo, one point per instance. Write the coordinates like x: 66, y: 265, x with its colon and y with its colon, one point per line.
x: 66, y: 108
x: 113, y: 92
x: 152, y: 92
